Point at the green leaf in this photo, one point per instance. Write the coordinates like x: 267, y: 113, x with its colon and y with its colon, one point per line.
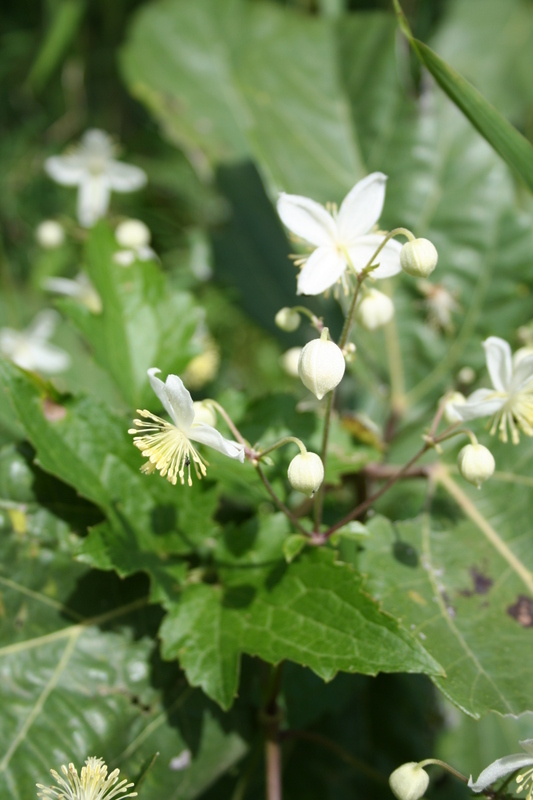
x: 150, y: 524
x: 501, y: 135
x: 67, y: 18
x: 143, y: 323
x: 81, y: 678
x: 238, y: 81
x: 312, y: 611
x: 293, y: 545
x: 463, y: 585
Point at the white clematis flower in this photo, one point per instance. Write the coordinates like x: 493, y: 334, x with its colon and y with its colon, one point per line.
x: 343, y: 239
x: 505, y: 766
x: 30, y: 349
x: 510, y: 402
x: 92, y: 167
x: 92, y: 784
x: 80, y: 289
x: 168, y: 445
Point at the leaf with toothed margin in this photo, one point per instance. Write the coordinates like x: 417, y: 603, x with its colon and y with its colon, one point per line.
x: 313, y: 611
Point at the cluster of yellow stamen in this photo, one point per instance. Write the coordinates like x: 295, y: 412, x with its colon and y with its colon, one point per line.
x: 93, y: 784
x: 169, y: 450
x: 516, y: 413
x: 522, y: 784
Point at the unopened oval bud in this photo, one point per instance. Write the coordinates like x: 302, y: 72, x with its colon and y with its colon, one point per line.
x: 419, y: 258
x: 409, y: 782
x: 476, y: 463
x: 321, y: 365
x: 133, y: 233
x: 290, y: 360
x: 306, y: 473
x: 50, y: 234
x: 287, y: 319
x: 451, y: 414
x: 375, y: 310
x: 204, y: 413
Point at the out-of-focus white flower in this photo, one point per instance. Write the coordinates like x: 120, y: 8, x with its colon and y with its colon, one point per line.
x: 30, y: 348
x: 306, y: 473
x: 374, y: 310
x: 80, y: 289
x: 134, y: 235
x: 91, y: 165
x: 50, y: 234
x: 204, y: 412
x: 409, y: 782
x: 476, y: 464
x: 92, y: 784
x: 440, y: 304
x: 510, y: 402
x: 418, y: 258
x: 289, y: 361
x: 321, y: 365
x: 503, y: 767
x: 343, y: 239
x: 168, y: 445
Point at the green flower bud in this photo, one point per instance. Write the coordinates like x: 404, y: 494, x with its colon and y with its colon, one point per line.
x: 419, y: 258
x: 287, y: 319
x: 306, y: 473
x: 321, y: 365
x: 476, y: 463
x: 409, y: 782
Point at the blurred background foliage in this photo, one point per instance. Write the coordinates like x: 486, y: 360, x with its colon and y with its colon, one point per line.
x: 60, y: 73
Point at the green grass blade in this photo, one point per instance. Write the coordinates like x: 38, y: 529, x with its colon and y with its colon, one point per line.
x: 509, y: 143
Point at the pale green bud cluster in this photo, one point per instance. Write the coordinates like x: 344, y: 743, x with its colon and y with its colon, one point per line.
x: 306, y: 473
x: 287, y: 319
x: 418, y: 258
x: 409, y: 782
x: 476, y: 464
x: 321, y: 365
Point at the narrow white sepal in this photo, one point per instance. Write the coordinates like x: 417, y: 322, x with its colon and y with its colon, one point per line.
x: 499, y: 769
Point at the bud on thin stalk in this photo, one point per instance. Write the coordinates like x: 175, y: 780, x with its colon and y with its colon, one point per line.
x: 287, y: 319
x: 409, y: 782
x: 321, y: 365
x: 476, y: 463
x: 418, y: 258
x: 306, y: 473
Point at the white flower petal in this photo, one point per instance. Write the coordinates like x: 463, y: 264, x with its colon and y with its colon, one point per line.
x: 93, y: 199
x: 47, y: 358
x: 522, y: 374
x: 62, y: 286
x: 307, y: 219
x: 66, y: 170
x: 43, y: 326
x: 175, y: 398
x: 205, y: 434
x: 124, y: 177
x: 388, y: 258
x: 361, y: 208
x: 322, y: 269
x: 499, y: 362
x: 482, y: 403
x: 499, y: 769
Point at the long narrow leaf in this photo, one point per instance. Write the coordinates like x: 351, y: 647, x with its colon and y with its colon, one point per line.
x: 509, y: 143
